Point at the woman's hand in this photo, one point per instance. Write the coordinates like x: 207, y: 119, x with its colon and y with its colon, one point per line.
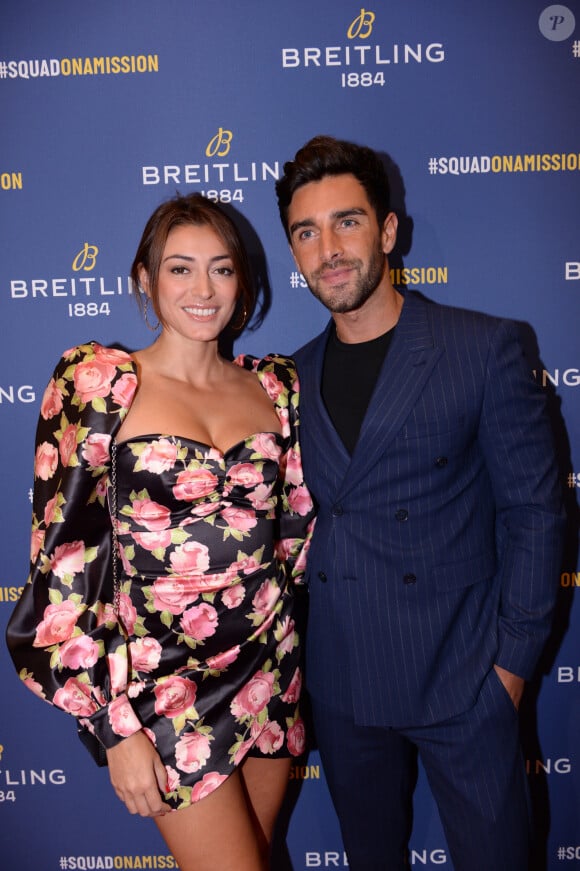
x: 138, y: 775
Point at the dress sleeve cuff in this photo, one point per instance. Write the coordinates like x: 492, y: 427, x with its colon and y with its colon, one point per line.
x: 115, y: 721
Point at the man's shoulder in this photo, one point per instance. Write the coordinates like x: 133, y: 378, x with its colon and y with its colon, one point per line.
x: 307, y: 352
x: 446, y: 320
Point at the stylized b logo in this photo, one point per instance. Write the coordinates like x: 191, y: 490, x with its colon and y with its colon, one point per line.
x: 220, y: 144
x: 365, y: 19
x: 86, y: 258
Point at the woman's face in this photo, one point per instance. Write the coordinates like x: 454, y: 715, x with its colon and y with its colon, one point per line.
x: 197, y: 285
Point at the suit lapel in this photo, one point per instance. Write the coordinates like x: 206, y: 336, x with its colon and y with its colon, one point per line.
x: 406, y: 369
x: 317, y: 432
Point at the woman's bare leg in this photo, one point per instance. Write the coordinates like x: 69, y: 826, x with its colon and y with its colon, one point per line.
x: 265, y: 781
x: 217, y: 833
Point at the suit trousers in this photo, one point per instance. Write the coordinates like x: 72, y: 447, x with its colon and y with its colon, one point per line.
x: 474, y: 766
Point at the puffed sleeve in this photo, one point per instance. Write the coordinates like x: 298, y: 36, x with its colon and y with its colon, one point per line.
x: 296, y: 514
x: 64, y: 628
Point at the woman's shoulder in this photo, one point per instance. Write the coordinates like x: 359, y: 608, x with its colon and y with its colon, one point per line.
x: 92, y: 354
x: 96, y: 375
x: 279, y: 364
x: 92, y: 350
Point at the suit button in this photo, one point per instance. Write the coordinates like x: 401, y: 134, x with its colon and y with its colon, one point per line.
x: 322, y: 577
x: 441, y: 462
x: 401, y: 515
x: 410, y: 579
x: 337, y: 511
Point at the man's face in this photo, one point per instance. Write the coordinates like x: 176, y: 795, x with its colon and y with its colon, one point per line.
x: 337, y: 243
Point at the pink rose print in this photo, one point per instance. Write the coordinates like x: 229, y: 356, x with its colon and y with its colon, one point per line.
x: 300, y: 501
x: 284, y: 419
x: 75, y: 698
x: 194, y: 484
x: 49, y: 510
x: 173, y: 595
x: 159, y: 456
x: 124, y: 389
x: 68, y: 559
x: 296, y: 738
x: 222, y: 660
x: 145, y: 654
x: 174, y: 696
x: 239, y: 518
x: 153, y: 540
x: 254, y: 696
x: 265, y: 444
x: 135, y: 689
x: 118, y: 672
x: 247, y: 566
x: 261, y: 498
x: 92, y: 378
x: 45, y: 461
x: 286, y: 635
x: 273, y: 387
x: 192, y: 752
x: 127, y: 613
x: 244, y: 475
x: 292, y: 694
x: 57, y: 624
x: 34, y: 687
x: 152, y: 738
x: 207, y: 784
x: 36, y: 543
x: 111, y: 355
x: 266, y: 597
x: 200, y: 622
x: 122, y: 717
x: 300, y: 564
x: 232, y: 597
x: 96, y: 449
x: 68, y: 444
x: 51, y: 401
x: 173, y: 779
x: 191, y: 556
x: 127, y: 567
x: 270, y: 738
x: 294, y: 473
x: 150, y: 514
x: 80, y: 652
x: 101, y: 488
x: 242, y: 751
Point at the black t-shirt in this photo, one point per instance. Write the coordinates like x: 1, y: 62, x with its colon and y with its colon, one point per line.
x: 349, y: 375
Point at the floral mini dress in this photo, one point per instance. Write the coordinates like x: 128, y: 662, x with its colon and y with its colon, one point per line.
x: 201, y: 650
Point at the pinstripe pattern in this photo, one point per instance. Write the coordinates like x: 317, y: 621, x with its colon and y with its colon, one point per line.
x: 413, y: 594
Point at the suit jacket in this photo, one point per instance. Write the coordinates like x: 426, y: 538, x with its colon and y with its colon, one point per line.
x: 438, y: 542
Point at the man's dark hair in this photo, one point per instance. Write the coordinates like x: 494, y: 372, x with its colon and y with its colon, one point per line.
x: 324, y: 156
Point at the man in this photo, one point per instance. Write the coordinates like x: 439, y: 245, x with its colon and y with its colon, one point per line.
x: 433, y: 569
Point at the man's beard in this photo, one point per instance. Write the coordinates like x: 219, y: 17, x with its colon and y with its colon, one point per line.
x: 365, y: 283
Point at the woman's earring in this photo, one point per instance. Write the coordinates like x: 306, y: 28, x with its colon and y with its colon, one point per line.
x: 243, y: 319
x: 146, y: 316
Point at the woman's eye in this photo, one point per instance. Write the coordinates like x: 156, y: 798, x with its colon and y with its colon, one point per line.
x: 179, y: 270
x: 224, y: 270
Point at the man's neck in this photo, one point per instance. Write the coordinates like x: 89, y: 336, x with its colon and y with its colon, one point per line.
x: 379, y: 314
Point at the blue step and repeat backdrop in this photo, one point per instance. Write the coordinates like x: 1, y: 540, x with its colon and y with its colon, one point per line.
x: 107, y: 108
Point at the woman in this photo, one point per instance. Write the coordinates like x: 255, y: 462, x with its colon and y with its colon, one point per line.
x: 186, y: 667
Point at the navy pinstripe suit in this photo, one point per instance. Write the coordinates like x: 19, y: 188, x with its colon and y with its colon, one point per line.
x: 437, y: 546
